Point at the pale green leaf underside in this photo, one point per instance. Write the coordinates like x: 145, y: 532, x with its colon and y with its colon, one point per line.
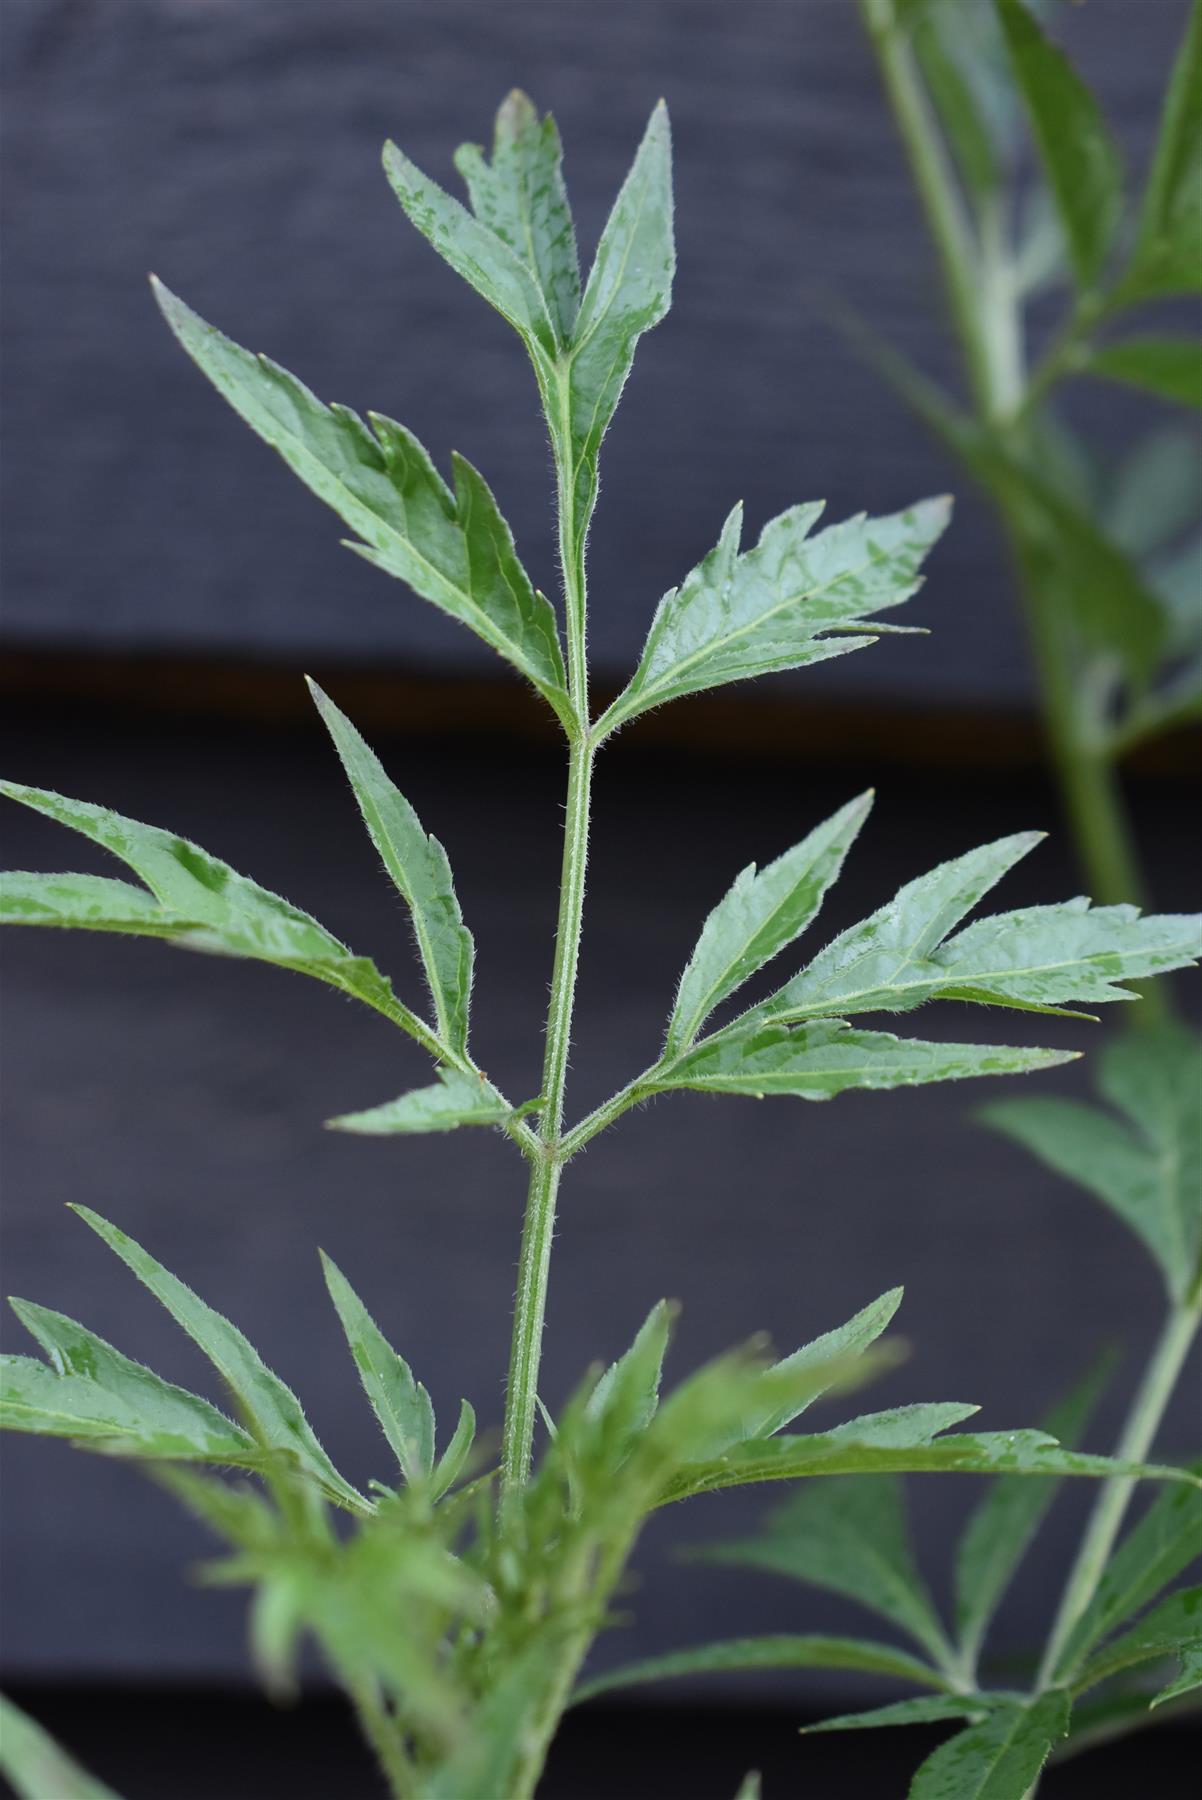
x: 999, y: 1758
x: 455, y: 1099
x: 776, y: 1652
x: 201, y: 902
x: 740, y: 615
x: 828, y: 1057
x: 1078, y: 155
x: 928, y: 1710
x: 90, y: 1392
x: 452, y: 548
x: 400, y: 1403
x: 418, y: 865
x: 764, y: 911
x: 271, y: 1409
x: 37, y: 1767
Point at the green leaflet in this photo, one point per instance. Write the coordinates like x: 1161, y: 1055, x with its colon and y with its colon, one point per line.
x: 520, y: 197
x: 452, y: 548
x: 451, y: 1463
x: 1038, y: 958
x: 518, y: 251
x: 454, y: 1099
x: 999, y: 1758
x: 628, y: 291
x: 762, y: 912
x: 832, y: 1355
x: 271, y: 1409
x: 203, y: 903
x: 740, y: 615
x: 1189, y: 1677
x: 626, y: 1398
x: 37, y: 1767
x: 1169, y: 367
x: 1168, y: 251
x: 1169, y: 1629
x: 1147, y: 1169
x: 855, y: 1449
x: 776, y: 1652
x: 850, y: 1537
x: 418, y: 865
x: 749, y: 1787
x: 928, y: 1710
x: 951, y: 65
x: 1000, y: 1530
x: 1075, y: 148
x: 90, y: 1392
x: 400, y: 1403
x: 1154, y: 1552
x: 816, y: 1061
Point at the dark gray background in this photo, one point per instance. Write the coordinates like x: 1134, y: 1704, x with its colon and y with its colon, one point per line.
x: 235, y: 149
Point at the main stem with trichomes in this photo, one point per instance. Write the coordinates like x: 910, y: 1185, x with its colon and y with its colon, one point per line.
x: 534, y: 1263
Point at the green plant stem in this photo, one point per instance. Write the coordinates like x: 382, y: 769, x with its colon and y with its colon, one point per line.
x: 534, y: 1263
x: 380, y: 1730
x: 950, y: 228
x: 1143, y: 1422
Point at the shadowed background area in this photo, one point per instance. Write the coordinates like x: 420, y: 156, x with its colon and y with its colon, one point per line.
x: 166, y: 582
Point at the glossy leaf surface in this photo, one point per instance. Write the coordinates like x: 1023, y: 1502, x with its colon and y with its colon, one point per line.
x: 418, y: 866
x: 766, y: 609
x: 764, y: 911
x: 1075, y: 148
x: 999, y: 1758
x: 400, y: 1403
x: 452, y: 547
x: 271, y: 1409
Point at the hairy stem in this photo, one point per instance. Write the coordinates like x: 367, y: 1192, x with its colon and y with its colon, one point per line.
x: 382, y: 1733
x: 1139, y: 1432
x: 530, y: 1305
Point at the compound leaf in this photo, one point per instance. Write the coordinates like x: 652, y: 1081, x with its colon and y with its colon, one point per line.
x: 418, y: 865
x: 776, y: 1652
x: 763, y: 911
x: 1078, y: 155
x: 202, y: 903
x: 271, y: 1410
x: 740, y: 615
x: 400, y: 1403
x: 452, y: 548
x: 998, y: 1758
